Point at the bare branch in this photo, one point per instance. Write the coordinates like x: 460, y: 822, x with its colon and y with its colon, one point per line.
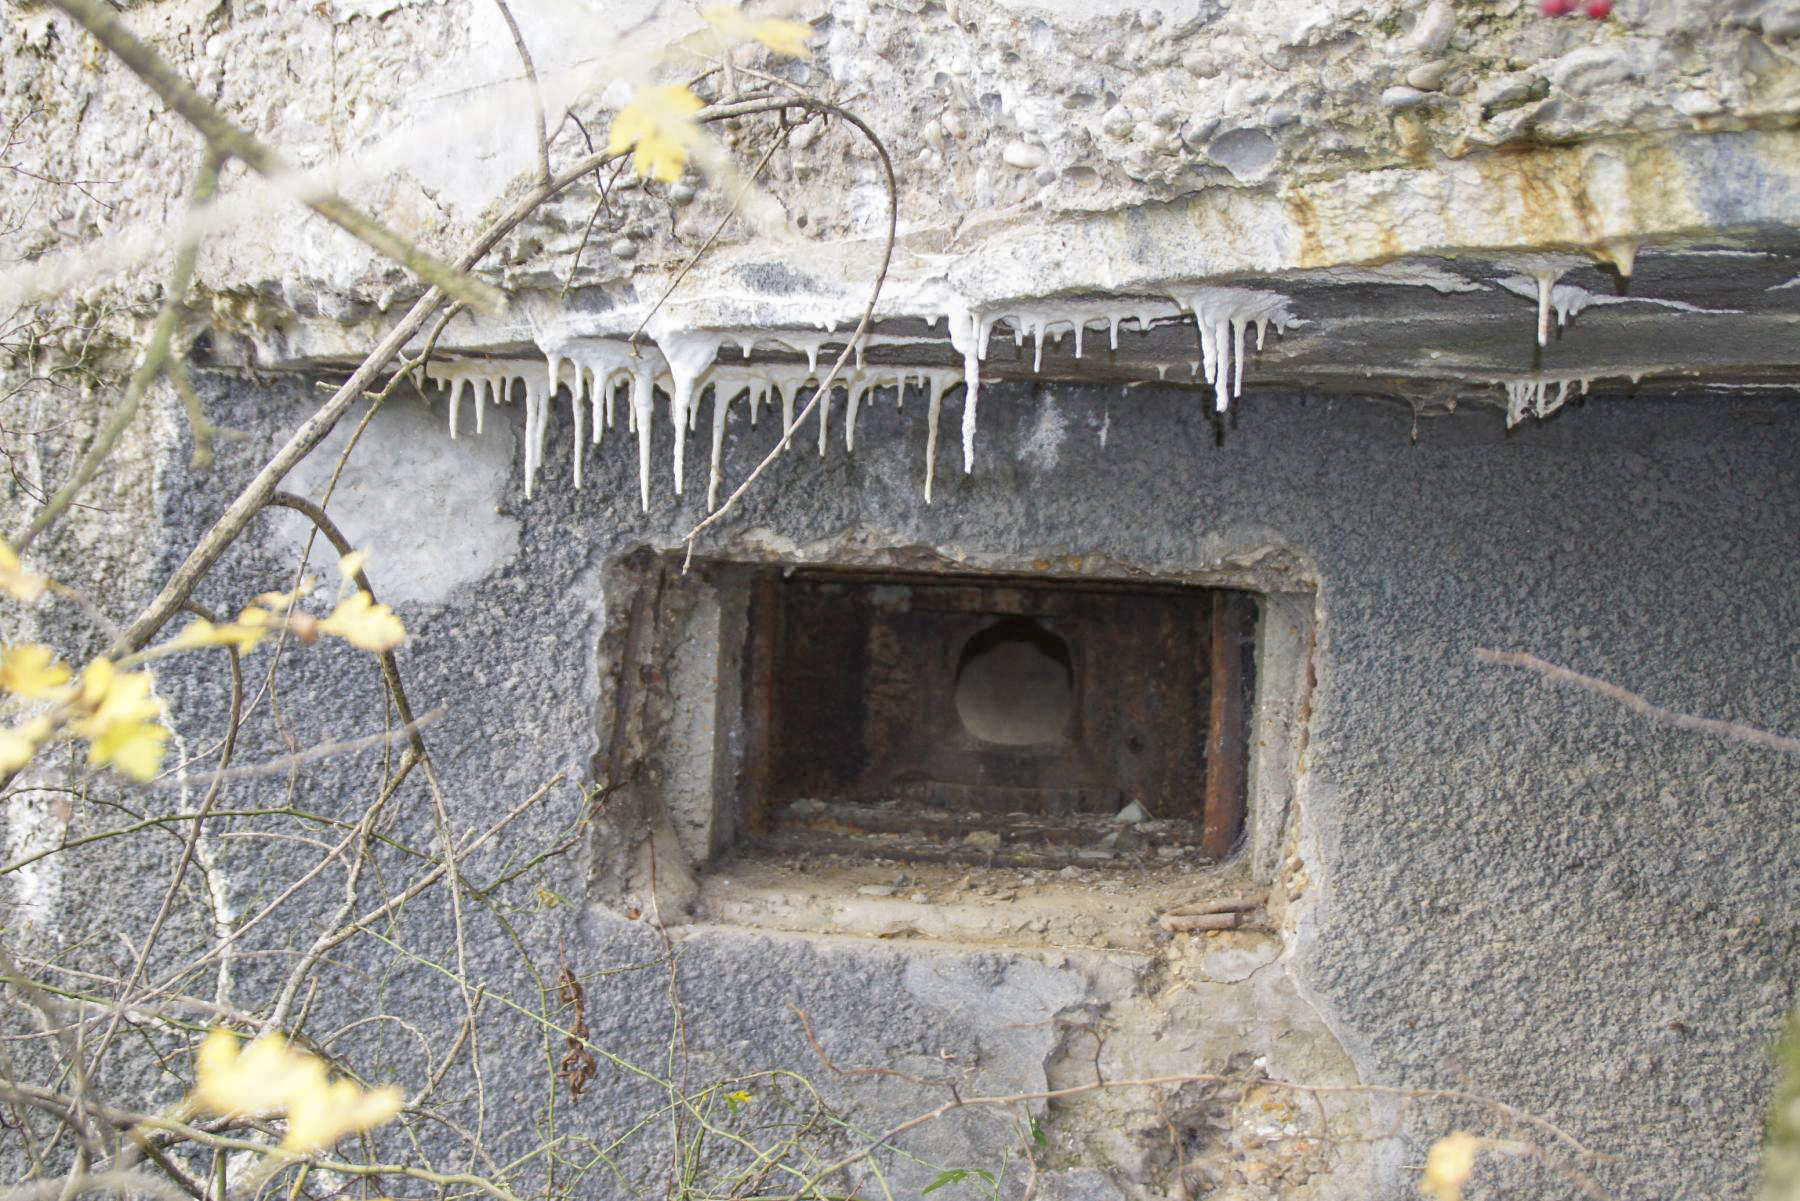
x: 537, y: 93
x: 1736, y: 731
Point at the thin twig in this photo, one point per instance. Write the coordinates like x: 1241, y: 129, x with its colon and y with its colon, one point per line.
x: 537, y: 93
x: 1736, y: 731
x: 156, y: 353
x: 862, y: 326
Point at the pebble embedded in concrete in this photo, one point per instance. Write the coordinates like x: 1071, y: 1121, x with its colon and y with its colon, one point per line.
x: 1023, y: 156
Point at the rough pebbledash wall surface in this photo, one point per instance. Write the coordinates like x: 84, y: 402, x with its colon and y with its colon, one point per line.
x: 1506, y: 886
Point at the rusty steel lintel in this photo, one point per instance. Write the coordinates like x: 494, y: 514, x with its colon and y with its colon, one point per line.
x: 761, y: 652
x: 1225, y: 732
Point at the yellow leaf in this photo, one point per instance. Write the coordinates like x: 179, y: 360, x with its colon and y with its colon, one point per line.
x: 23, y: 585
x: 243, y: 636
x: 352, y: 563
x: 117, y: 715
x: 283, y: 600
x: 783, y: 37
x: 105, y: 697
x: 320, y: 1116
x: 364, y: 624
x: 660, y: 123
x: 263, y: 1078
x: 19, y: 743
x: 1448, y: 1166
x: 135, y: 749
x: 31, y: 670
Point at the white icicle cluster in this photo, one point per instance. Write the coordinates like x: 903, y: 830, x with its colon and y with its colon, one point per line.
x: 1534, y: 395
x: 684, y: 364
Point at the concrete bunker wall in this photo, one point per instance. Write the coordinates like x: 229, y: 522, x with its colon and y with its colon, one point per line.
x: 1482, y: 880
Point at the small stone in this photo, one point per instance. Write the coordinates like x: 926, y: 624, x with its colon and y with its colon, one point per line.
x: 1591, y: 69
x: 1023, y: 156
x: 681, y: 192
x: 1696, y: 104
x: 919, y: 898
x: 624, y: 249
x: 1428, y: 77
x: 1402, y: 97
x: 805, y: 806
x: 1095, y: 853
x: 1200, y: 64
x: 876, y: 890
x: 1070, y: 872
x: 1196, y: 133
x: 1431, y: 32
x: 1118, y: 122
x: 1131, y: 814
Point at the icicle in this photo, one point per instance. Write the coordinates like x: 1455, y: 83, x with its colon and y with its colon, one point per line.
x: 787, y: 410
x: 688, y: 355
x: 1545, y: 282
x: 577, y: 413
x: 1222, y: 315
x: 600, y: 386
x: 1222, y: 369
x: 1237, y: 342
x: 936, y: 386
x: 643, y: 397
x: 853, y: 397
x: 723, y: 395
x: 534, y: 430
x: 1534, y: 395
x: 968, y: 335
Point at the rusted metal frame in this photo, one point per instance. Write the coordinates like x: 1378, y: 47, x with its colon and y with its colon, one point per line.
x: 626, y: 688
x: 1226, y: 743
x: 763, y: 627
